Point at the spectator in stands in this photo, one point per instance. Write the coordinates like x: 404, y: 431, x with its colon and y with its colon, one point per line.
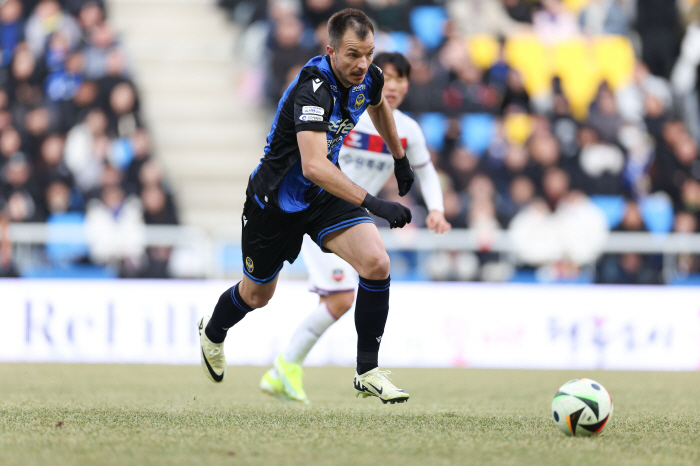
x: 85, y: 150
x: 7, y: 266
x: 604, y: 17
x: 115, y: 230
x: 51, y: 167
x: 659, y: 28
x: 11, y: 30
x: 553, y: 23
x: 493, y: 17
x: 46, y: 19
x: 123, y: 115
x: 604, y: 117
x: 630, y: 268
x: 20, y: 188
x: 287, y: 51
x: 600, y: 164
x: 10, y: 144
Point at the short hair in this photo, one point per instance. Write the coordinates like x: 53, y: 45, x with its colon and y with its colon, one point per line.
x: 343, y: 20
x: 400, y: 62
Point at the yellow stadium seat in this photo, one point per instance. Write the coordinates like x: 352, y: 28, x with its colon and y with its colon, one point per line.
x: 615, y: 58
x: 518, y: 127
x: 575, y: 6
x: 529, y: 56
x: 483, y: 50
x: 579, y: 73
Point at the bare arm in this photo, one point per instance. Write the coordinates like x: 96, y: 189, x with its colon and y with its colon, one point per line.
x: 383, y: 121
x: 318, y: 169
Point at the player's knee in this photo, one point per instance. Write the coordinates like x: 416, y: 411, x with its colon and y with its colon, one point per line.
x: 257, y: 301
x: 378, y: 266
x: 339, y: 303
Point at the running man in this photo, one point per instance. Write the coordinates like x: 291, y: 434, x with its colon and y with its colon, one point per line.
x: 298, y: 189
x: 365, y: 159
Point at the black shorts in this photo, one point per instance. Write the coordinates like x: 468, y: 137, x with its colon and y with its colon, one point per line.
x: 271, y: 236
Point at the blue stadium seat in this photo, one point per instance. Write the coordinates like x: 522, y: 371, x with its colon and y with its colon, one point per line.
x: 66, y: 238
x: 612, y: 206
x: 398, y: 41
x: 434, y: 125
x: 427, y: 23
x: 477, y: 131
x: 73, y: 271
x: 657, y: 213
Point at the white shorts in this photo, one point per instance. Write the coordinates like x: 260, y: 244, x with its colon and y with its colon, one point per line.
x: 328, y: 273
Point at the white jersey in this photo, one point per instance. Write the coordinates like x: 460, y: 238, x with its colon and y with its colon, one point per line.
x: 365, y: 157
x: 366, y: 160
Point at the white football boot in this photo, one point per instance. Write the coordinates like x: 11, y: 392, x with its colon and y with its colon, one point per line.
x: 377, y: 383
x: 212, y: 354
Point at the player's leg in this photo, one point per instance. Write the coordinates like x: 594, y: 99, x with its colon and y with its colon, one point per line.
x: 265, y: 247
x: 362, y: 247
x: 334, y: 280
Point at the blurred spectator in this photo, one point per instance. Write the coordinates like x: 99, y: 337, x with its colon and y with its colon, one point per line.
x: 115, y: 230
x: 630, y: 268
x: 553, y: 23
x: 21, y: 190
x: 286, y: 51
x: 495, y: 17
x: 11, y: 30
x: 7, y: 266
x: 659, y: 28
x: 48, y: 18
x: 85, y: 150
x: 604, y: 17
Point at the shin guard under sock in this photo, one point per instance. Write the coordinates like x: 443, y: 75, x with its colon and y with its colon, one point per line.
x: 371, y: 311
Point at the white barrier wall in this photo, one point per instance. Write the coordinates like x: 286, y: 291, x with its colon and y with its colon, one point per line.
x: 430, y: 325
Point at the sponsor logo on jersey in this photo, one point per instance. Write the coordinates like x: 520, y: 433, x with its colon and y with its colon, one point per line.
x: 334, y: 88
x: 359, y: 87
x: 249, y: 264
x: 311, y: 118
x: 370, y: 142
x: 311, y: 110
x: 316, y: 83
x: 341, y: 126
x: 338, y: 275
x: 359, y: 101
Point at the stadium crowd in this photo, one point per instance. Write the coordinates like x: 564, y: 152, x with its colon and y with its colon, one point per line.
x: 73, y: 146
x: 555, y: 120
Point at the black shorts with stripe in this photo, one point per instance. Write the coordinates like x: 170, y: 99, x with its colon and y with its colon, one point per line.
x: 271, y: 236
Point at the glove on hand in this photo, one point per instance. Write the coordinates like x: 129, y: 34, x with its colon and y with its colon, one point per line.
x: 396, y: 214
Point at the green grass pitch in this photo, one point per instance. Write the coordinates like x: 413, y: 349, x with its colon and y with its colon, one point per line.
x: 83, y: 414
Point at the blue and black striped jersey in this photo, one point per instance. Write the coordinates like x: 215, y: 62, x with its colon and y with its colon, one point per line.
x: 314, y: 101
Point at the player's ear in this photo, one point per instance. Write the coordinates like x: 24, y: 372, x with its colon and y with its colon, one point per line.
x: 329, y: 50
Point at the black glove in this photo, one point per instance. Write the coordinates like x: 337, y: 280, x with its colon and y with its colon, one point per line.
x: 404, y: 175
x: 396, y: 214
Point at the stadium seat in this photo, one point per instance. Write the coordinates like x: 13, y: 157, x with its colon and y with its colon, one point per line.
x: 518, y: 127
x: 397, y: 41
x: 483, y: 50
x: 477, y: 131
x: 612, y: 206
x: 66, y: 240
x: 428, y: 23
x: 73, y: 271
x: 615, y: 58
x: 657, y: 212
x: 434, y: 125
x: 575, y: 6
x: 578, y: 71
x: 527, y: 54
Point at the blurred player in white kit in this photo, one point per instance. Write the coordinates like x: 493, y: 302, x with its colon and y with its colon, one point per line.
x: 366, y: 160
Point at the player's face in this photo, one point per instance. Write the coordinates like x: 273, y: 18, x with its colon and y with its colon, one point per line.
x: 395, y: 86
x: 351, y: 60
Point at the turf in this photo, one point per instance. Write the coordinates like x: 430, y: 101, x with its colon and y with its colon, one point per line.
x: 61, y: 414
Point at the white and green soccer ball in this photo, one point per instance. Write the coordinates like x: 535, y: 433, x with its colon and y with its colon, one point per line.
x: 582, y: 407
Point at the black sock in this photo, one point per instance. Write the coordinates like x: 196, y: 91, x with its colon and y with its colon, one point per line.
x: 371, y: 311
x: 228, y: 312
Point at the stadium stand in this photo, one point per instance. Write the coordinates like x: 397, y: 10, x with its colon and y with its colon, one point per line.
x: 538, y: 114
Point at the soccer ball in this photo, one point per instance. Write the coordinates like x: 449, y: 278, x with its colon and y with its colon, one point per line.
x: 582, y: 407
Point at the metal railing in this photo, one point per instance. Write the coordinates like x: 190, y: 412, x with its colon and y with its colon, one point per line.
x: 207, y: 245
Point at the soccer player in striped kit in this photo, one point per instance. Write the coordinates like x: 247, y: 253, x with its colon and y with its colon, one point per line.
x: 367, y: 161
